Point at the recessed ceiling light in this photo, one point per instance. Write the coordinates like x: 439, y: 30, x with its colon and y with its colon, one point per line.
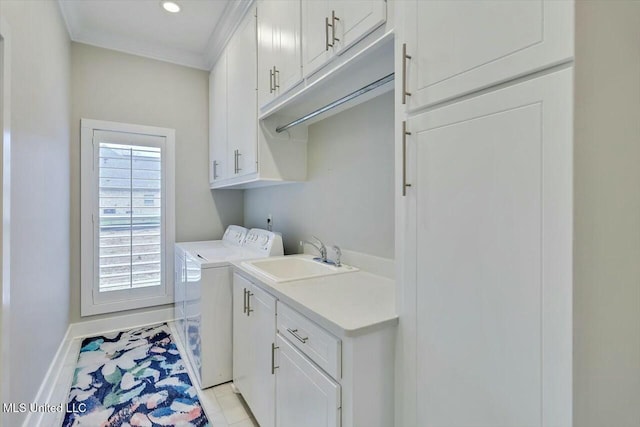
x: 170, y: 6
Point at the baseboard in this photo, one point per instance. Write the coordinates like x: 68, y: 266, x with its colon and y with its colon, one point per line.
x: 119, y: 323
x: 49, y: 381
x: 79, y: 330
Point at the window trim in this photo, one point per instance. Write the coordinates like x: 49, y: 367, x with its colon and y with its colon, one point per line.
x: 88, y: 193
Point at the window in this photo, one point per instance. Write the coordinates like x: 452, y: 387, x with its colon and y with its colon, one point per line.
x: 127, y: 216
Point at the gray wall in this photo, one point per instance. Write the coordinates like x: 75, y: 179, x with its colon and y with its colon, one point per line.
x: 348, y: 198
x: 39, y: 247
x: 607, y: 215
x: 109, y: 85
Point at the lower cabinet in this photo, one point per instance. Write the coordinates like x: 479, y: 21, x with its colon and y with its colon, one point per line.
x: 305, y: 395
x: 294, y: 373
x: 254, y: 331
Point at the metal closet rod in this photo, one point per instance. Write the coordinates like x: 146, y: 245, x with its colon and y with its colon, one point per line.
x: 334, y: 104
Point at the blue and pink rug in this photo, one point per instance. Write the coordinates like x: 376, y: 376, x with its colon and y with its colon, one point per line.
x: 133, y: 378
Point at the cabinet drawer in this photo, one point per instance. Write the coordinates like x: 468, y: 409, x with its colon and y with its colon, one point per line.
x: 319, y: 345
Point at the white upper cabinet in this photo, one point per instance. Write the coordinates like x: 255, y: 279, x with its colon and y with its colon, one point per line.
x: 317, y: 35
x: 331, y: 26
x: 279, y: 48
x: 246, y: 152
x: 358, y: 18
x: 242, y: 105
x: 456, y: 47
x: 218, y: 161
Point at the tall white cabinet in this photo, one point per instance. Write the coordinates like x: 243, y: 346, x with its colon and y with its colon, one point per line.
x: 484, y: 213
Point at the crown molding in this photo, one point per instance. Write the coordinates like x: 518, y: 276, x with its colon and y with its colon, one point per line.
x: 145, y: 49
x: 226, y: 26
x: 232, y: 15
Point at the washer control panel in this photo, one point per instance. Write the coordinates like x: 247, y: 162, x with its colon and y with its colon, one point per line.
x: 267, y: 243
x: 235, y: 235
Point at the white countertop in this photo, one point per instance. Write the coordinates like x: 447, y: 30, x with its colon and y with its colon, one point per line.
x: 348, y: 304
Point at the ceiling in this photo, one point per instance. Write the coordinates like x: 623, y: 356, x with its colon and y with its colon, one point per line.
x: 194, y: 37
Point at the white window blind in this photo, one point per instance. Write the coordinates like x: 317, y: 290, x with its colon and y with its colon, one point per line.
x: 127, y: 209
x: 130, y: 213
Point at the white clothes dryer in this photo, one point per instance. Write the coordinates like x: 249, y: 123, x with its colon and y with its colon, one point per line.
x: 203, y: 297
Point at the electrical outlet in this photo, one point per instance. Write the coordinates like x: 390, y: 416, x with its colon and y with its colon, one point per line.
x: 269, y: 222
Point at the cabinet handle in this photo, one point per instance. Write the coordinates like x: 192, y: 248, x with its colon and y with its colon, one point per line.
x: 334, y: 18
x: 276, y: 78
x: 236, y: 155
x: 244, y: 310
x: 249, y: 309
x: 271, y: 76
x: 404, y: 73
x: 215, y: 170
x: 326, y: 35
x: 404, y: 158
x: 294, y: 332
x: 273, y: 358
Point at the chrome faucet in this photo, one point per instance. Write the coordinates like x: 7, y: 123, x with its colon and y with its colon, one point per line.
x: 320, y: 247
x: 338, y: 252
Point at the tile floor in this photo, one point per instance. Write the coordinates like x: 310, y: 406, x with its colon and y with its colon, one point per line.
x: 223, y: 407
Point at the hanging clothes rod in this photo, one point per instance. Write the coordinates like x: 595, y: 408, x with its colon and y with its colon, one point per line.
x: 334, y: 104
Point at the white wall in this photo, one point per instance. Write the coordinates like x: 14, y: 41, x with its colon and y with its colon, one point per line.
x: 113, y: 86
x: 607, y: 215
x: 40, y: 74
x: 348, y: 198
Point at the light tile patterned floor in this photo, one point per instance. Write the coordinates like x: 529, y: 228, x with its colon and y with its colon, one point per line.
x: 223, y: 407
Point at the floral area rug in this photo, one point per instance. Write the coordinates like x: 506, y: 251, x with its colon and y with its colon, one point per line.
x: 133, y: 378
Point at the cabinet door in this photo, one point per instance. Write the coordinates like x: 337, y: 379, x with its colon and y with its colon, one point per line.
x: 315, y: 35
x: 358, y: 18
x: 492, y: 190
x: 242, y: 345
x: 279, y: 48
x: 268, y: 18
x: 457, y: 47
x: 218, y: 162
x: 242, y: 99
x: 305, y: 396
x: 287, y: 43
x: 262, y: 315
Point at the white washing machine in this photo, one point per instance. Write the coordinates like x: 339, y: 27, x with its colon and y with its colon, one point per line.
x: 203, y: 297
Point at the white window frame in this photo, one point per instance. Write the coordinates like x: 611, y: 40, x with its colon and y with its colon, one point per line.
x: 91, y: 302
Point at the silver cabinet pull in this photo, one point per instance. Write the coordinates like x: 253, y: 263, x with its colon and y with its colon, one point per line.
x: 237, y: 161
x: 404, y: 73
x: 271, y: 76
x: 334, y: 18
x: 276, y: 78
x: 273, y: 358
x: 215, y: 170
x: 249, y: 309
x: 326, y: 35
x: 404, y: 158
x: 294, y: 332
x: 244, y: 310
